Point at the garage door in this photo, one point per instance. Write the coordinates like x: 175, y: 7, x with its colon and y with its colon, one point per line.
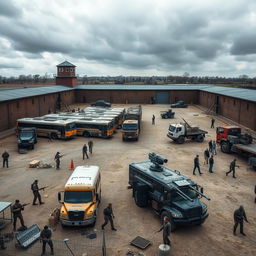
x: 162, y: 98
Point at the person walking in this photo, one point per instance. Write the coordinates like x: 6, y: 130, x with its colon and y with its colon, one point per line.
x: 90, y: 145
x: 35, y: 189
x: 212, y: 123
x: 5, y: 157
x: 57, y: 160
x: 85, y: 149
x: 45, y: 236
x: 210, y: 146
x: 206, y: 156
x: 211, y: 162
x: 16, y: 211
x: 214, y: 147
x: 153, y: 119
x: 108, y: 216
x: 166, y: 231
x: 232, y: 168
x: 196, y: 165
x: 239, y: 217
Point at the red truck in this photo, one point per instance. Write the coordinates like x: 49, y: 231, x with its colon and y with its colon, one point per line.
x: 233, y: 141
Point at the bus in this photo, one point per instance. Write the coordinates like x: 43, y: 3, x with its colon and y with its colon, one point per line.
x: 51, y: 128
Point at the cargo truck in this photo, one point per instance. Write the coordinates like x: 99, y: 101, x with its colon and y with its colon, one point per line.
x: 231, y: 140
x: 131, y: 124
x: 81, y: 197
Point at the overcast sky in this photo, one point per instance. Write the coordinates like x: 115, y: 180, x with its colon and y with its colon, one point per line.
x: 132, y: 37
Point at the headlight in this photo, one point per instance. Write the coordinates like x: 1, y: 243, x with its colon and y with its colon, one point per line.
x: 63, y: 216
x: 177, y: 215
x: 30, y: 141
x: 89, y: 216
x: 204, y: 208
x: 19, y: 141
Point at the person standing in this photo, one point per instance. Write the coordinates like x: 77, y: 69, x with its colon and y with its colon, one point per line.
x: 153, y: 119
x: 212, y: 123
x: 35, y: 189
x: 210, y: 146
x: 85, y: 149
x: 206, y: 156
x: 214, y: 147
x: 211, y: 162
x: 90, y: 145
x: 57, y: 160
x: 108, y: 216
x: 196, y: 165
x: 166, y: 231
x: 16, y: 211
x: 239, y: 217
x: 46, y: 235
x: 5, y: 157
x: 232, y: 168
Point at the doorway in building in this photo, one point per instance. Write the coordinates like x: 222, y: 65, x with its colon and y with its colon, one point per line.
x: 162, y: 97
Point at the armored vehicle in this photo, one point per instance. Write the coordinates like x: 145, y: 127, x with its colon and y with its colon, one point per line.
x: 179, y: 104
x: 167, y: 114
x: 27, y: 137
x: 167, y: 191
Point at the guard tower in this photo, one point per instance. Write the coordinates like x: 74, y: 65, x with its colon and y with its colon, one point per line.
x: 66, y: 74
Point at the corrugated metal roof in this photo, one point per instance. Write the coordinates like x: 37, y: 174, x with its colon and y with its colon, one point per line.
x: 240, y: 93
x: 142, y: 87
x: 66, y: 64
x: 13, y: 94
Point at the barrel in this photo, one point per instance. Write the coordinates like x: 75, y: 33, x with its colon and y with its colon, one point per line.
x: 164, y: 250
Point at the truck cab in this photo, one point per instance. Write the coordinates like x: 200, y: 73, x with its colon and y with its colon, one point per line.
x: 176, y: 130
x: 168, y: 192
x: 222, y: 132
x: 82, y: 194
x: 27, y: 137
x: 130, y: 130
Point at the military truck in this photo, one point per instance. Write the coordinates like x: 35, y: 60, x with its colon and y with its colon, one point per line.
x: 26, y: 137
x: 178, y: 132
x: 167, y: 191
x: 167, y: 114
x: 131, y: 124
x: 231, y: 140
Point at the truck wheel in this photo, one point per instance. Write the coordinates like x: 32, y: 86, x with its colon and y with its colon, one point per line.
x: 225, y: 147
x: 200, y: 138
x: 168, y: 215
x: 54, y: 136
x: 181, y: 140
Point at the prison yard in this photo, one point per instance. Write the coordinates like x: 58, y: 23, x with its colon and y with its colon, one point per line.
x: 113, y: 156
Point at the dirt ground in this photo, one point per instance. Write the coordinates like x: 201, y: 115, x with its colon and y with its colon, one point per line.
x: 113, y: 156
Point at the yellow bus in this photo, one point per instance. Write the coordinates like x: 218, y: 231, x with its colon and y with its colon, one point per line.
x: 82, y: 194
x: 53, y: 128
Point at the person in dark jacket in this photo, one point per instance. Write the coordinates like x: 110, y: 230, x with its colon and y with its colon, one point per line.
x: 35, y: 189
x: 232, y: 168
x: 46, y: 235
x: 5, y: 157
x: 196, y: 165
x: 57, y: 160
x: 90, y: 145
x: 166, y: 231
x: 108, y: 216
x: 206, y: 156
x: 153, y: 119
x: 16, y: 211
x: 211, y: 162
x: 212, y: 123
x: 239, y: 217
x: 210, y: 146
x: 85, y: 149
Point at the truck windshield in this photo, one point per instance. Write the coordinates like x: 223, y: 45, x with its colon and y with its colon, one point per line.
x: 26, y: 134
x: 188, y: 191
x: 77, y: 197
x: 172, y: 128
x: 130, y: 126
x: 234, y: 131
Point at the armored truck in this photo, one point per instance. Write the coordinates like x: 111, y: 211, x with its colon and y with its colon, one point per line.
x: 167, y: 114
x: 26, y: 137
x: 167, y: 191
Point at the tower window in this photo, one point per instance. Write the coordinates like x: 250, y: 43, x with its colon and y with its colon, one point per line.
x: 67, y: 69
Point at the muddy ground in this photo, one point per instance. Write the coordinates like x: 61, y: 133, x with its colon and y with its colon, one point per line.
x: 113, y: 156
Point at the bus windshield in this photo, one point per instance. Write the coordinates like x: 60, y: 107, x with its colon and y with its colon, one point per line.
x: 188, y: 191
x: 130, y: 126
x: 77, y: 197
x: 70, y: 127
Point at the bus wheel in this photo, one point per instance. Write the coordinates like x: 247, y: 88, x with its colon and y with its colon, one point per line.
x: 86, y: 134
x: 54, y: 136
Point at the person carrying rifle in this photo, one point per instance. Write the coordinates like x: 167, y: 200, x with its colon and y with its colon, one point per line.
x: 57, y: 160
x: 239, y: 217
x: 45, y: 236
x: 35, y: 189
x: 166, y: 231
x: 232, y: 168
x: 16, y: 211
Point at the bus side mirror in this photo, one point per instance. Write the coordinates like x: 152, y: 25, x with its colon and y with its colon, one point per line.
x: 59, y: 197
